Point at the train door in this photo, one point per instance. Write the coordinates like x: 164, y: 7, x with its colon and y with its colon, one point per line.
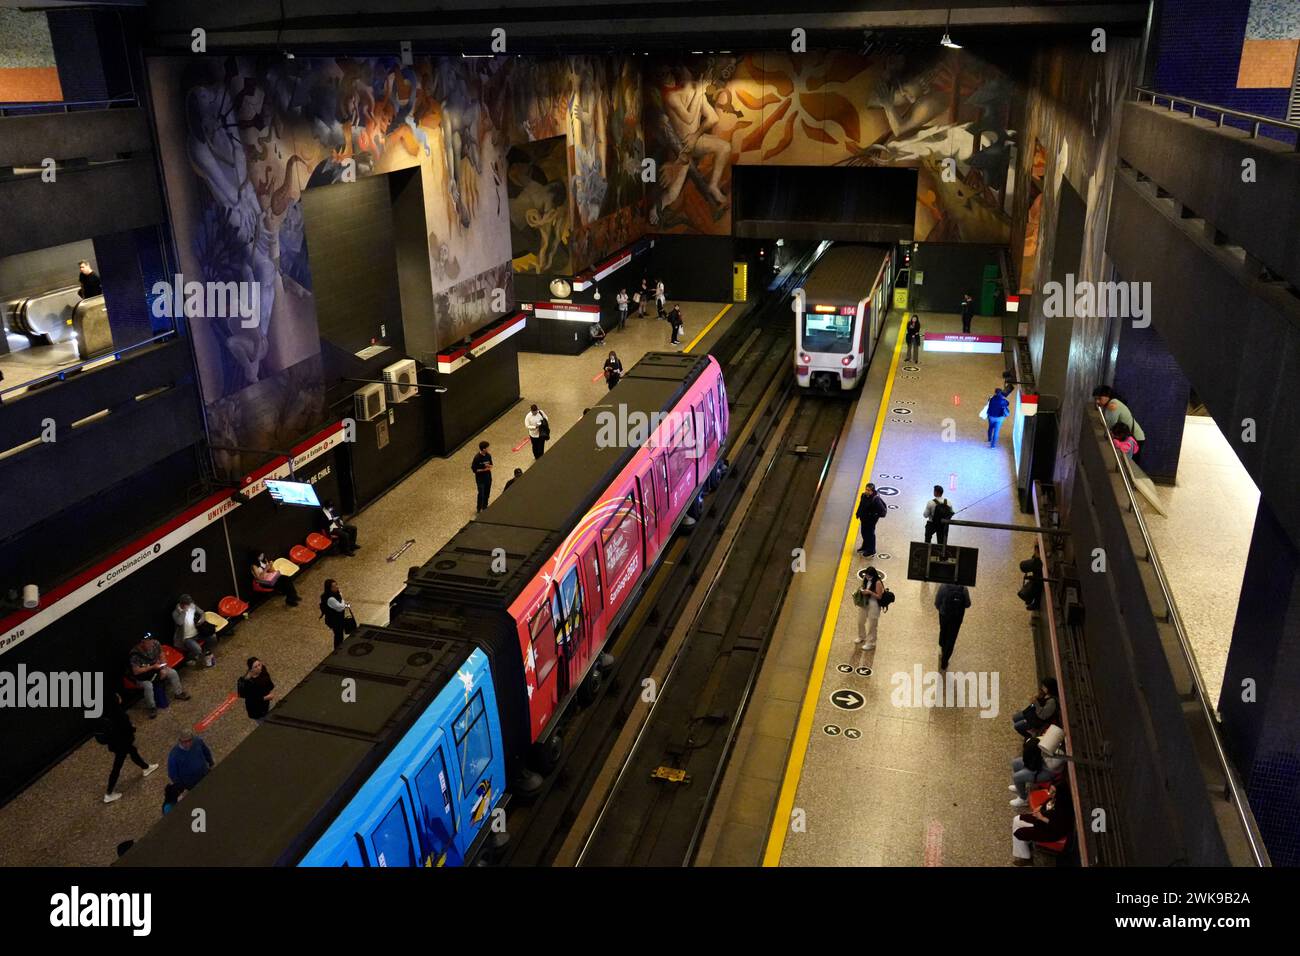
x: 573, y: 637
x: 431, y: 789
x: 681, y: 467
x: 649, y: 512
x: 543, y: 660
x: 388, y: 833
x: 595, y: 592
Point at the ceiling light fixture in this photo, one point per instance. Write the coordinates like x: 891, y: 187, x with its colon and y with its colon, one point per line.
x: 947, y: 40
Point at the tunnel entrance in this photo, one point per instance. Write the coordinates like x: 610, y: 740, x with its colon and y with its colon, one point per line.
x: 844, y: 203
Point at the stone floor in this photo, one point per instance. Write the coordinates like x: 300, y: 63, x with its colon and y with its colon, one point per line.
x: 61, y: 820
x: 1202, y: 547
x: 889, y: 783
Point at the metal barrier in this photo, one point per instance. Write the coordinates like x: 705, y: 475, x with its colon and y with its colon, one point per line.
x: 1193, y: 106
x: 117, y: 355
x: 60, y: 106
x: 1202, y: 726
x: 1049, y: 617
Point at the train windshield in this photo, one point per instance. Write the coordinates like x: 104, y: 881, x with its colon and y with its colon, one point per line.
x: 827, y: 332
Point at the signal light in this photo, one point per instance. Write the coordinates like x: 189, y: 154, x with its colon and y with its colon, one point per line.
x: 847, y: 360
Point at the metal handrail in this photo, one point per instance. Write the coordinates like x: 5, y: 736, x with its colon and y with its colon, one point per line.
x: 63, y: 373
x: 1255, y: 119
x: 66, y: 106
x: 1049, y: 615
x: 1232, y: 784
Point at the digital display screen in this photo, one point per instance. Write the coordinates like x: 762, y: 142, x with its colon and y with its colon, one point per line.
x: 293, y: 493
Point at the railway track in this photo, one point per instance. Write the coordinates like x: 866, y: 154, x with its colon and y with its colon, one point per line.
x: 756, y: 357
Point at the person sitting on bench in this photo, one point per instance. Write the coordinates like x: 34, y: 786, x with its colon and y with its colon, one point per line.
x: 193, y: 632
x: 267, y: 578
x: 333, y: 525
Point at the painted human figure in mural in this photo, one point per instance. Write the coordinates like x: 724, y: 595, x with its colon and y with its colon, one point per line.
x: 587, y: 132
x: 459, y: 132
x: 685, y: 127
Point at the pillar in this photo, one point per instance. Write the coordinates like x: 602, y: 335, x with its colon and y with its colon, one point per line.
x: 1263, y: 735
x: 1153, y: 385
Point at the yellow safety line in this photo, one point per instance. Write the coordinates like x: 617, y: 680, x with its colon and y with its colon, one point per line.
x: 803, y: 730
x: 705, y: 331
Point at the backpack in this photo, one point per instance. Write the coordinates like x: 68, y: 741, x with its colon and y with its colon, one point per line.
x: 942, y: 511
x: 881, y: 508
x: 544, y: 429
x: 955, y: 603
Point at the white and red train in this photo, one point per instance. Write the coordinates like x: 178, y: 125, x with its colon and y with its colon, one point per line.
x: 839, y: 314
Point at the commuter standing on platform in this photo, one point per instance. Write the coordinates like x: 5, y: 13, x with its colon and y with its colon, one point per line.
x: 937, y: 514
x: 621, y: 299
x: 914, y: 338
x: 539, y: 431
x: 867, y: 600
x: 613, y: 370
x: 675, y: 321
x: 871, y: 508
x: 967, y: 311
x: 116, y: 732
x: 951, y: 603
x: 519, y: 473
x: 659, y: 296
x: 256, y: 687
x: 482, y: 468
x: 335, y: 611
x: 642, y: 297
x: 996, y: 410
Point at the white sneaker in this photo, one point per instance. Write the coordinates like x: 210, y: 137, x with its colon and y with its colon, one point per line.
x: 1013, y: 789
x: 1018, y: 802
x: 110, y: 797
x: 148, y: 770
x: 868, y: 647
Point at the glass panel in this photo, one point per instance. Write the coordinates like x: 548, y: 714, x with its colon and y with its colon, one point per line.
x: 593, y: 578
x: 473, y: 741
x: 827, y: 332
x: 543, y: 635
x: 392, y: 840
x: 436, y: 821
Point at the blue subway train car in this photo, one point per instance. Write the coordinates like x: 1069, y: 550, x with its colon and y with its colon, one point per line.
x: 389, y: 753
x: 429, y: 800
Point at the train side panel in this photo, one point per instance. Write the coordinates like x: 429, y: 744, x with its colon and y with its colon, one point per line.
x: 431, y: 798
x: 566, y: 613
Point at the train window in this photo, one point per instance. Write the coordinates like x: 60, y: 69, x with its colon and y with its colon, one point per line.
x: 392, y: 838
x: 827, y: 332
x: 473, y: 741
x: 571, y: 597
x: 621, y: 541
x: 436, y: 821
x: 706, y: 415
x: 592, y: 563
x: 648, y: 497
x: 542, y: 632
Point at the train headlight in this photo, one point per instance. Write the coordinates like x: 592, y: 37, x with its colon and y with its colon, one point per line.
x: 847, y: 360
x: 805, y: 358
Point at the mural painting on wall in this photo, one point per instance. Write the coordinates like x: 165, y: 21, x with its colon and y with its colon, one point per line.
x: 1029, y: 255
x: 256, y: 133
x: 538, y: 175
x: 705, y: 114
x: 595, y: 103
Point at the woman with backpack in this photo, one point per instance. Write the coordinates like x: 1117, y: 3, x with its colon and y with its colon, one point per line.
x: 868, y: 600
x: 336, y: 612
x: 116, y: 732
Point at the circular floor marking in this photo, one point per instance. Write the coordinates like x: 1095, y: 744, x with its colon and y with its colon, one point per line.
x: 846, y: 699
x: 887, y: 490
x: 864, y: 671
x: 884, y: 555
x: 831, y: 730
x: 844, y: 668
x: 901, y: 411
x: 852, y: 733
x: 911, y: 368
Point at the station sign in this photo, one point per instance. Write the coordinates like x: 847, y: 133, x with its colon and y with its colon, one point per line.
x: 948, y: 342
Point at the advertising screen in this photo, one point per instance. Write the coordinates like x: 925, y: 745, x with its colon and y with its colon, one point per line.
x: 293, y: 493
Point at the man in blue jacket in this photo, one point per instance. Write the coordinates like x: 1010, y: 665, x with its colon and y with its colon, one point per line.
x: 998, y: 408
x: 189, y: 761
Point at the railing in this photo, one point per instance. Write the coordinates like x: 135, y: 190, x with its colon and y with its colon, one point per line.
x: 64, y: 106
x: 1049, y: 616
x: 1255, y: 120
x: 95, y: 362
x: 1201, y: 723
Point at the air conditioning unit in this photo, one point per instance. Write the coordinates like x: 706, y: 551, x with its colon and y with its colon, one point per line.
x: 370, y: 402
x: 400, y: 377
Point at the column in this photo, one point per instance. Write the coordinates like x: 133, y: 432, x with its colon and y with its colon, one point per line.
x: 1154, y: 387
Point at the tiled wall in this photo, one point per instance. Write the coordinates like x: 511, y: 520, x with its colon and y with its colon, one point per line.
x: 1199, y: 54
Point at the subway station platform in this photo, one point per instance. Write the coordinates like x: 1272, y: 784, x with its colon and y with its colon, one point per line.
x: 60, y: 820
x: 835, y: 765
